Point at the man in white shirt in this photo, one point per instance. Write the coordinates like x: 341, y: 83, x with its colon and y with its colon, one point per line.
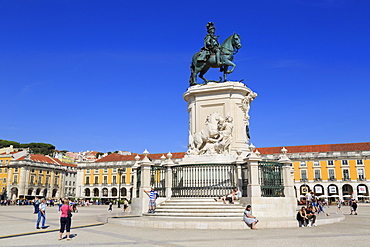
x: 238, y: 194
x: 41, y: 215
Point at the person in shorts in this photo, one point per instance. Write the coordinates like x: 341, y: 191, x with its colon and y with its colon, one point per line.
x: 152, y: 199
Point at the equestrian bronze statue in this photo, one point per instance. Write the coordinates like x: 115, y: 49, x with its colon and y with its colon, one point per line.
x: 214, y: 55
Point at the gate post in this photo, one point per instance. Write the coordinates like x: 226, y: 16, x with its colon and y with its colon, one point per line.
x: 140, y: 204
x: 288, y: 179
x: 169, y: 165
x: 254, y: 187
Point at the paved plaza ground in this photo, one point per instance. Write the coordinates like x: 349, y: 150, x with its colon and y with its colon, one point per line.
x: 17, y: 228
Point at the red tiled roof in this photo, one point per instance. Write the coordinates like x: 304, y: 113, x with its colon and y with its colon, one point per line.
x: 266, y: 150
x: 46, y: 159
x: 120, y: 157
x: 318, y: 148
x: 9, y: 153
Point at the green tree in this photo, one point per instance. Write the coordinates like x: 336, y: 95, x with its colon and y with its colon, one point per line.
x: 5, y: 143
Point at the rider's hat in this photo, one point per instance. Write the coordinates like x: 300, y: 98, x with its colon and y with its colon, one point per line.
x: 210, y: 26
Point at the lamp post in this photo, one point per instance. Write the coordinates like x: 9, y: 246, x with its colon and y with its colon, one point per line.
x: 119, y: 186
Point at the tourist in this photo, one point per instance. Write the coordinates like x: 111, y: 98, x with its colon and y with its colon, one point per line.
x: 152, y: 199
x: 125, y: 205
x: 301, y: 217
x: 320, y: 207
x: 110, y: 207
x: 310, y: 214
x: 238, y: 194
x: 60, y: 203
x: 248, y: 218
x: 339, y: 206
x: 65, y: 219
x: 41, y: 215
x: 309, y: 196
x: 326, y: 202
x: 230, y: 197
x: 354, y: 207
x: 36, y: 204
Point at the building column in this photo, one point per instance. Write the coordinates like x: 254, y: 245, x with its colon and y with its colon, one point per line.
x: 22, y: 181
x: 8, y: 183
x: 79, y: 183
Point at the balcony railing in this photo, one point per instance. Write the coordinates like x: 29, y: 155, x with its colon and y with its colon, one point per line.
x: 317, y: 179
x: 332, y: 179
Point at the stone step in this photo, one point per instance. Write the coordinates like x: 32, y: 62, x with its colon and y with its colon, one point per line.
x: 199, y: 210
x: 194, y: 199
x: 187, y: 206
x: 193, y: 215
x: 201, y: 204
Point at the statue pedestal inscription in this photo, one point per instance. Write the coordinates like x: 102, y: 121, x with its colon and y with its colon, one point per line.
x: 218, y: 120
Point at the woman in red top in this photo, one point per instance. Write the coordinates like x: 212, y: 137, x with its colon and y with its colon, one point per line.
x: 65, y: 221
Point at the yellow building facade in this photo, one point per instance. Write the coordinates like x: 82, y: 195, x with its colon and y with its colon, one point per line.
x: 27, y: 175
x: 105, y: 179
x: 333, y: 171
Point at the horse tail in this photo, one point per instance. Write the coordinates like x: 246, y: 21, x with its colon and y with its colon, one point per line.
x: 192, y: 71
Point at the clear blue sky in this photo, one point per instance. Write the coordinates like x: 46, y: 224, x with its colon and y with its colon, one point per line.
x: 109, y: 75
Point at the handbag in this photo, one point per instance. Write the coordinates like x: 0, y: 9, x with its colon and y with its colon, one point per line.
x: 69, y: 213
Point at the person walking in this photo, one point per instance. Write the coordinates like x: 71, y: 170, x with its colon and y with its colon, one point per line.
x: 152, y: 199
x: 110, y: 206
x: 41, y: 215
x: 354, y: 207
x: 65, y: 219
x: 339, y: 206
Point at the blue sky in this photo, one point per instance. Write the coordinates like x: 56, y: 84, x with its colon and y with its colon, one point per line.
x: 109, y: 75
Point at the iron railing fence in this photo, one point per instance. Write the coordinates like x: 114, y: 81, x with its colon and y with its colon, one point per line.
x: 158, y: 179
x: 138, y: 182
x: 244, y: 181
x: 271, y: 179
x: 203, y: 180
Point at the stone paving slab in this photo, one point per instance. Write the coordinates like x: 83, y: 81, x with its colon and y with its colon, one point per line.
x: 218, y: 222
x: 354, y: 230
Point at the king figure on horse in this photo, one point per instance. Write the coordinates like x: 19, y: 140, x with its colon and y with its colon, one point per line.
x: 214, y: 55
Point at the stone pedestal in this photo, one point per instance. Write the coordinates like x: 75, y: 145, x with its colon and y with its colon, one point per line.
x: 218, y: 118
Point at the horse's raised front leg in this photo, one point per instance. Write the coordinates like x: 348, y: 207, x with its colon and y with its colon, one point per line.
x: 229, y: 63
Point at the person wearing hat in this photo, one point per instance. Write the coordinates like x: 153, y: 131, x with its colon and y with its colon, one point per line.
x: 152, y: 199
x: 211, y: 42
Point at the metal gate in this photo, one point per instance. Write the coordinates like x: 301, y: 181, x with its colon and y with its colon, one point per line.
x: 271, y: 179
x: 158, y: 179
x: 244, y: 181
x: 205, y: 180
x: 138, y: 182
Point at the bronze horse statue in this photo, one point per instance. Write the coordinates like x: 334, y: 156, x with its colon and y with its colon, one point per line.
x: 228, y: 49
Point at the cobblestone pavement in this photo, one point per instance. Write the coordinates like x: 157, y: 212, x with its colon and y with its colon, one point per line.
x: 353, y: 231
